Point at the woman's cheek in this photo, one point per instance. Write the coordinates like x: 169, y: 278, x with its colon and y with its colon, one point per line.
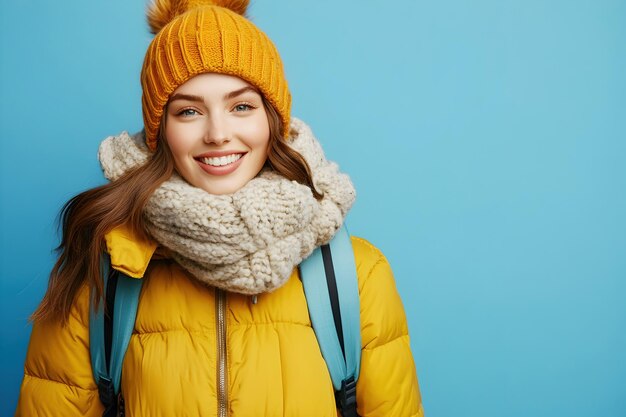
x: 180, y: 137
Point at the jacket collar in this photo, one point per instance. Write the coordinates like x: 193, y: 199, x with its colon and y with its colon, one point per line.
x: 129, y: 254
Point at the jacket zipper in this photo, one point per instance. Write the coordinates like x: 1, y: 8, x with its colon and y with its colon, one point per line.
x: 222, y: 388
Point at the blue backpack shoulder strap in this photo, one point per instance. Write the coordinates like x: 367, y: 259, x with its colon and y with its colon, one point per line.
x: 334, y: 309
x: 109, y: 336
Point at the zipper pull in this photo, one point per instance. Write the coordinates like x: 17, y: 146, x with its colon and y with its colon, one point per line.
x: 254, y: 299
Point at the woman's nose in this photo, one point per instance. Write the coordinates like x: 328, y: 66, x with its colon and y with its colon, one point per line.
x: 216, y: 131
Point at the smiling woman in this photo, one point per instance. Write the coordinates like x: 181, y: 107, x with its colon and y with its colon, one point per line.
x: 214, y: 206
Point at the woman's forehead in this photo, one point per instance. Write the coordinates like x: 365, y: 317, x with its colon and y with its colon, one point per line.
x: 214, y: 84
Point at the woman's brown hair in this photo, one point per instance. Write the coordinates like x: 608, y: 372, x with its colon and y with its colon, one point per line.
x: 283, y: 158
x: 87, y: 217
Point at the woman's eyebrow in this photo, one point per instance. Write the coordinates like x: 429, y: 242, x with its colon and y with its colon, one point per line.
x: 187, y: 97
x: 227, y: 96
x: 236, y: 93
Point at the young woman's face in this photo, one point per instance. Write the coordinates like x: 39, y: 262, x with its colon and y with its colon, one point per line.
x: 218, y: 132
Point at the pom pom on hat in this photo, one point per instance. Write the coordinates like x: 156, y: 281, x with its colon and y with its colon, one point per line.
x: 161, y: 12
x: 199, y: 36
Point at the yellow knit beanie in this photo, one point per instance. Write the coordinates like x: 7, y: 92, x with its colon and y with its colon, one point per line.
x: 198, y: 36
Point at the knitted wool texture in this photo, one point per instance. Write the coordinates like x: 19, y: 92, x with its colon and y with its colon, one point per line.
x: 194, y: 37
x: 248, y: 242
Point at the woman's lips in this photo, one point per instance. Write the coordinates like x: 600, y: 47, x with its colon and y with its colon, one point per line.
x: 222, y: 169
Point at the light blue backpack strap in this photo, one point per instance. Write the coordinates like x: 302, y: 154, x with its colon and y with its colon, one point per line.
x: 124, y: 315
x: 313, y: 275
x: 341, y: 260
x: 348, y: 288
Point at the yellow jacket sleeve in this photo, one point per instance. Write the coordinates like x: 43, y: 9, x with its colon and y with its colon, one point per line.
x: 57, y: 375
x: 387, y: 384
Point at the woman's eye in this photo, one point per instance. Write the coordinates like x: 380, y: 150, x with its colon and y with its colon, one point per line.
x: 243, y: 107
x: 187, y: 112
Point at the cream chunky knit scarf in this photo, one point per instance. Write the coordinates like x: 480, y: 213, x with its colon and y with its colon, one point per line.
x: 250, y: 241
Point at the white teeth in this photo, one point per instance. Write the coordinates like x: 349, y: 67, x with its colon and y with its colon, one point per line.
x: 222, y: 160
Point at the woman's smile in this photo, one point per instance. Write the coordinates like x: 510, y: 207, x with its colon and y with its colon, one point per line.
x: 221, y: 165
x: 217, y: 161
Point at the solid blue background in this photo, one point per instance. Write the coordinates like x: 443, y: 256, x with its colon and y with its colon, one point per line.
x: 486, y: 140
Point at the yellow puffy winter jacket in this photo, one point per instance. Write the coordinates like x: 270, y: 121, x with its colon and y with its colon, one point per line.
x: 273, y: 365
